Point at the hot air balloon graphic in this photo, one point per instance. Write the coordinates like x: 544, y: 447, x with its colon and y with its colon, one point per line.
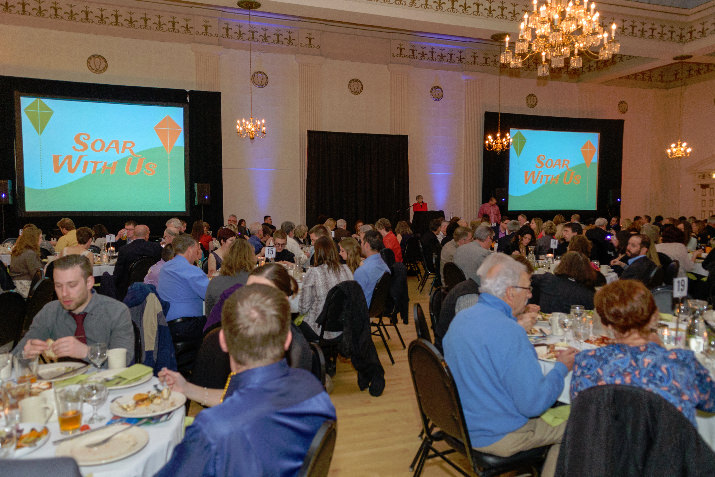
x: 39, y: 115
x: 168, y: 132
x: 588, y: 151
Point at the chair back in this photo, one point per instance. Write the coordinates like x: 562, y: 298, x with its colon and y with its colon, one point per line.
x: 421, y: 323
x: 379, y: 296
x: 43, y: 294
x: 318, y: 369
x: 435, y: 306
x: 139, y: 268
x: 13, y: 306
x: 388, y: 256
x: 6, y: 282
x: 671, y: 272
x: 212, y: 366
x: 55, y: 466
x: 436, y: 391
x: 429, y: 262
x: 656, y: 278
x: 452, y: 275
x: 663, y: 297
x: 413, y: 250
x: 35, y: 280
x: 9, y: 242
x: 320, y: 453
x: 49, y: 269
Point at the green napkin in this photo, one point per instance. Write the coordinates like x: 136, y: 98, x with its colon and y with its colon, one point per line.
x: 73, y: 380
x: 129, y: 375
x: 555, y: 416
x: 666, y: 317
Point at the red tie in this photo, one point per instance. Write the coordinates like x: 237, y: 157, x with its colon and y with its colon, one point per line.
x: 79, y: 332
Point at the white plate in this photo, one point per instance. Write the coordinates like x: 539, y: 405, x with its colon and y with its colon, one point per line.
x: 108, y: 374
x: 49, y: 372
x: 120, y: 447
x: 175, y: 402
x: 27, y: 427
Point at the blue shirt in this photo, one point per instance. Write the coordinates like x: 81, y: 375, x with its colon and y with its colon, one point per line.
x: 256, y: 242
x: 264, y: 427
x: 368, y: 274
x: 631, y: 260
x: 496, y: 370
x: 183, y: 285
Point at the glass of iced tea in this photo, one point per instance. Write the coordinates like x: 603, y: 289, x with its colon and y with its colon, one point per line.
x: 69, y: 408
x: 26, y: 369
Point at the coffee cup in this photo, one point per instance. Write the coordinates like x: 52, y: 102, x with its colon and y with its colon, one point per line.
x: 117, y: 358
x: 35, y: 409
x: 556, y: 329
x: 49, y: 397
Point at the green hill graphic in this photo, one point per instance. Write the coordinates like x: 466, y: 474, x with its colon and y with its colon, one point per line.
x: 561, y: 196
x: 119, y: 192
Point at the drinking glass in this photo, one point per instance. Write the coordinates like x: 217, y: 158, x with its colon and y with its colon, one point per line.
x: 26, y: 369
x: 95, y: 394
x: 69, y: 408
x: 97, y: 354
x: 565, y: 322
x: 12, y: 393
x: 5, y: 367
x: 8, y: 439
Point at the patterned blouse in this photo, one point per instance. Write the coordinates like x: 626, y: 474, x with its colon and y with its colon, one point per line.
x: 675, y: 374
x: 317, y: 282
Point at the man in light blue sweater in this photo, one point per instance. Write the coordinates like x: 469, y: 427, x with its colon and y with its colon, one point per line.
x: 501, y: 385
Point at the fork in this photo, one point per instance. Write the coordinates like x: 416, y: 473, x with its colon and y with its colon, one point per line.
x: 108, y: 438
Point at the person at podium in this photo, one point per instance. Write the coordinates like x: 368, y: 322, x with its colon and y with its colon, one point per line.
x: 420, y: 205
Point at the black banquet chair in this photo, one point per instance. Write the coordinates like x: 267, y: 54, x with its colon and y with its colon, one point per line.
x: 443, y: 419
x: 320, y: 454
x: 13, y: 306
x: 452, y: 275
x: 43, y: 293
x: 421, y: 323
x: 377, y: 311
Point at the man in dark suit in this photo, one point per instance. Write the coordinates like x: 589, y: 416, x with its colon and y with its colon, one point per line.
x: 430, y: 242
x: 134, y: 250
x: 603, y: 249
x: 639, y: 266
x: 341, y: 230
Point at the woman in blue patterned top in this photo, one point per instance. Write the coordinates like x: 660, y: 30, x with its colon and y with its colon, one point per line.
x: 637, y: 357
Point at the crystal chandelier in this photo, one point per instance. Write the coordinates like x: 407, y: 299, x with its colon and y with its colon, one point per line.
x: 681, y: 149
x: 557, y: 32
x: 251, y: 128
x: 498, y: 143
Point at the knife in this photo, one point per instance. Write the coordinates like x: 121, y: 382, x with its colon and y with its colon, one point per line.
x: 74, y: 370
x: 80, y: 434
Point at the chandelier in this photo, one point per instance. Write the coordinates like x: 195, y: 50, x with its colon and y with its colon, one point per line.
x: 681, y: 149
x: 498, y: 143
x: 250, y: 128
x: 557, y: 32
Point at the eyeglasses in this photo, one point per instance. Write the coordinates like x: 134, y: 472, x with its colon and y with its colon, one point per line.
x: 523, y: 288
x: 280, y: 244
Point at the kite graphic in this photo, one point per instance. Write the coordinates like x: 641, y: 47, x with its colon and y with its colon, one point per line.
x: 588, y: 151
x: 39, y: 115
x: 168, y: 132
x: 519, y: 141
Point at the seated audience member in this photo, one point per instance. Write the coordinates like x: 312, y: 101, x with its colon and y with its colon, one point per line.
x: 225, y: 238
x: 602, y: 248
x: 79, y: 317
x: 429, y: 240
x: 341, y: 230
x: 501, y: 386
x: 99, y: 235
x: 280, y: 240
x: 449, y: 230
x: 537, y: 225
x: 461, y: 236
x: 572, y: 283
x: 232, y: 220
x: 403, y: 232
x: 69, y: 234
x: 201, y: 232
x: 509, y: 242
x: 242, y: 229
x: 256, y: 239
x: 673, y: 245
x: 619, y: 240
x: 637, y: 357
x: 523, y: 220
x: 470, y: 256
x: 373, y: 267
x: 301, y: 234
x: 292, y: 244
x: 269, y: 413
x: 689, y: 240
x: 570, y: 229
x: 237, y: 265
x: 25, y: 259
x: 349, y: 251
x: 84, y: 240
x: 152, y: 276
x: 639, y: 266
x: 579, y: 243
x: 502, y: 229
x: 175, y: 223
x: 268, y: 222
x: 138, y: 248
x: 325, y: 273
x: 543, y: 243
x: 170, y: 233
x: 183, y: 285
x: 126, y: 235
x: 388, y: 238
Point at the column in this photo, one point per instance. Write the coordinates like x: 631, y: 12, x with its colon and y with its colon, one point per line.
x: 473, y: 134
x: 309, y: 113
x: 399, y: 89
x: 208, y: 75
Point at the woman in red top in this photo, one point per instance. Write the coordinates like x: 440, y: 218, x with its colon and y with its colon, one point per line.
x: 388, y: 238
x: 419, y: 206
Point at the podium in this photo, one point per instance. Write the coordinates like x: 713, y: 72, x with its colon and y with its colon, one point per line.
x: 421, y: 220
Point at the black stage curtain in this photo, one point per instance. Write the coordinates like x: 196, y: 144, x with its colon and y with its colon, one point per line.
x: 356, y: 176
x: 204, y: 142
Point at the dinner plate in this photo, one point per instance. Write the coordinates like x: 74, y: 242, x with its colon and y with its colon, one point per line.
x: 119, y: 447
x: 542, y: 351
x: 108, y: 374
x: 175, y: 402
x: 27, y: 427
x: 50, y: 372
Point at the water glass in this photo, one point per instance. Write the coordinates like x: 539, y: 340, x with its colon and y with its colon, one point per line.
x: 95, y: 394
x: 8, y: 439
x: 97, y: 354
x: 5, y: 367
x: 69, y: 408
x: 12, y: 393
x: 26, y: 369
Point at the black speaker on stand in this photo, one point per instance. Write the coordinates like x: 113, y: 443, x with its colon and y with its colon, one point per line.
x: 202, y: 196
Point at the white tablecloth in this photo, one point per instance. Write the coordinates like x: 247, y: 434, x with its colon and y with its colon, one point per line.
x: 100, y: 269
x: 163, y: 437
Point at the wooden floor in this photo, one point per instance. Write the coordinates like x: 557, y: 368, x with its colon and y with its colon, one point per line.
x: 378, y: 436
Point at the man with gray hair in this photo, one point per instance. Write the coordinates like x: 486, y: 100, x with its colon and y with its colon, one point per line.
x: 602, y: 250
x: 341, y: 230
x: 293, y: 246
x: 501, y: 385
x: 461, y: 236
x: 470, y: 256
x: 504, y: 243
x: 256, y: 238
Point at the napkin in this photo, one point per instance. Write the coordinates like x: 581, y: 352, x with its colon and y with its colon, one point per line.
x: 129, y: 375
x: 556, y: 415
x: 666, y: 317
x: 73, y: 380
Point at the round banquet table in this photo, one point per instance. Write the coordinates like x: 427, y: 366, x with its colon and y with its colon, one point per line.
x: 163, y: 437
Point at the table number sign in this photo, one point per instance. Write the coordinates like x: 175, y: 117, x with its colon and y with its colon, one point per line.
x: 270, y: 252
x: 111, y: 238
x: 680, y: 287
x: 554, y: 243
